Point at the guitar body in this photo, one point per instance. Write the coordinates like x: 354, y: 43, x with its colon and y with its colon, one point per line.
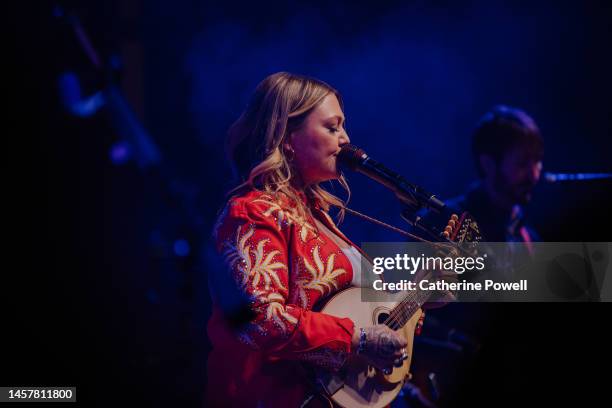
x: 363, y: 385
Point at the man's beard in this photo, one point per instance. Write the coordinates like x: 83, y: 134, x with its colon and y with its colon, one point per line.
x: 514, y: 193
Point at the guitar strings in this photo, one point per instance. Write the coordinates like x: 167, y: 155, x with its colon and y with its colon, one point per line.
x: 405, y: 309
x: 402, y: 312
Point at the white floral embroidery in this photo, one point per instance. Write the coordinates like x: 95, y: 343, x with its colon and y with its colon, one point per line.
x: 275, y: 310
x: 322, y: 277
x: 237, y: 256
x: 286, y: 216
x: 255, y: 263
x: 265, y: 268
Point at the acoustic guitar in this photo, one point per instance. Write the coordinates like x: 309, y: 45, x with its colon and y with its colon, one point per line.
x: 358, y: 384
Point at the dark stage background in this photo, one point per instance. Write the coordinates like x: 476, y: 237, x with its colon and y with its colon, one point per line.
x: 108, y: 287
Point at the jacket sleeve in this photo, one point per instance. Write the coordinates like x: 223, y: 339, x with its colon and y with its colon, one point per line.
x: 255, y: 249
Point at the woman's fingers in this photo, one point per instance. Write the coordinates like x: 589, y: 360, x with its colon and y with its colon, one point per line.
x: 384, y: 347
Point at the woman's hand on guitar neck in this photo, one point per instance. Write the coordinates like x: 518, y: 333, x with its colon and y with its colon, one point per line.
x: 382, y: 347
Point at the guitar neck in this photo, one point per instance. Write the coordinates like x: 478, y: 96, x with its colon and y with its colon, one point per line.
x: 406, y: 308
x: 460, y: 229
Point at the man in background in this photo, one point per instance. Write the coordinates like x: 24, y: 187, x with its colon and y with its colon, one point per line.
x: 507, y: 148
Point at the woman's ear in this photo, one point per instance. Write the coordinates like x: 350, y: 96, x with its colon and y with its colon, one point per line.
x: 288, y: 150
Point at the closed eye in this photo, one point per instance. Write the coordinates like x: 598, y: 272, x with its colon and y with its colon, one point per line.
x: 336, y: 128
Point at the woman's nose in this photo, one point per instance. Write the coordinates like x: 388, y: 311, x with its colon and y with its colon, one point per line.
x: 344, y: 138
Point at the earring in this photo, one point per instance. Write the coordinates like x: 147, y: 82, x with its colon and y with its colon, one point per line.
x: 288, y: 156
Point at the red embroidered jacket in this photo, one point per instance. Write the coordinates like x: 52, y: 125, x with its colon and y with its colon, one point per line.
x: 282, y: 265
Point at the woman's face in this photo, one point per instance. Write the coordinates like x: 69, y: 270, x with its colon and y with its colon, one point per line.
x: 318, y: 141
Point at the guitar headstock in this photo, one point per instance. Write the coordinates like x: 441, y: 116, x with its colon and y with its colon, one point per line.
x: 463, y: 231
x: 462, y: 228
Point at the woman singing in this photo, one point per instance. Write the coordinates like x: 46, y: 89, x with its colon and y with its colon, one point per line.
x: 284, y: 253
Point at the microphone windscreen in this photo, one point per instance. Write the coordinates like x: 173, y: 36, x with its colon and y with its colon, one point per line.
x: 351, y: 156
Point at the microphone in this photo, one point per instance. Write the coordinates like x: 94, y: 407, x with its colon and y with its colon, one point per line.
x: 354, y: 158
x: 571, y: 177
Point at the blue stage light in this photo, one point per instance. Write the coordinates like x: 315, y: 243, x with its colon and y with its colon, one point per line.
x: 181, y: 247
x: 120, y: 152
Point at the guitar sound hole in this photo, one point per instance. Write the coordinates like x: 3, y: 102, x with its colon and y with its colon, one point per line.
x: 382, y: 318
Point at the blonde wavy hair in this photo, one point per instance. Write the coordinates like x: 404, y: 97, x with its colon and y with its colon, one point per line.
x: 278, y: 107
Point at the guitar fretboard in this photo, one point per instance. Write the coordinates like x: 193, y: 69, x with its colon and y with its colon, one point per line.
x: 401, y: 313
